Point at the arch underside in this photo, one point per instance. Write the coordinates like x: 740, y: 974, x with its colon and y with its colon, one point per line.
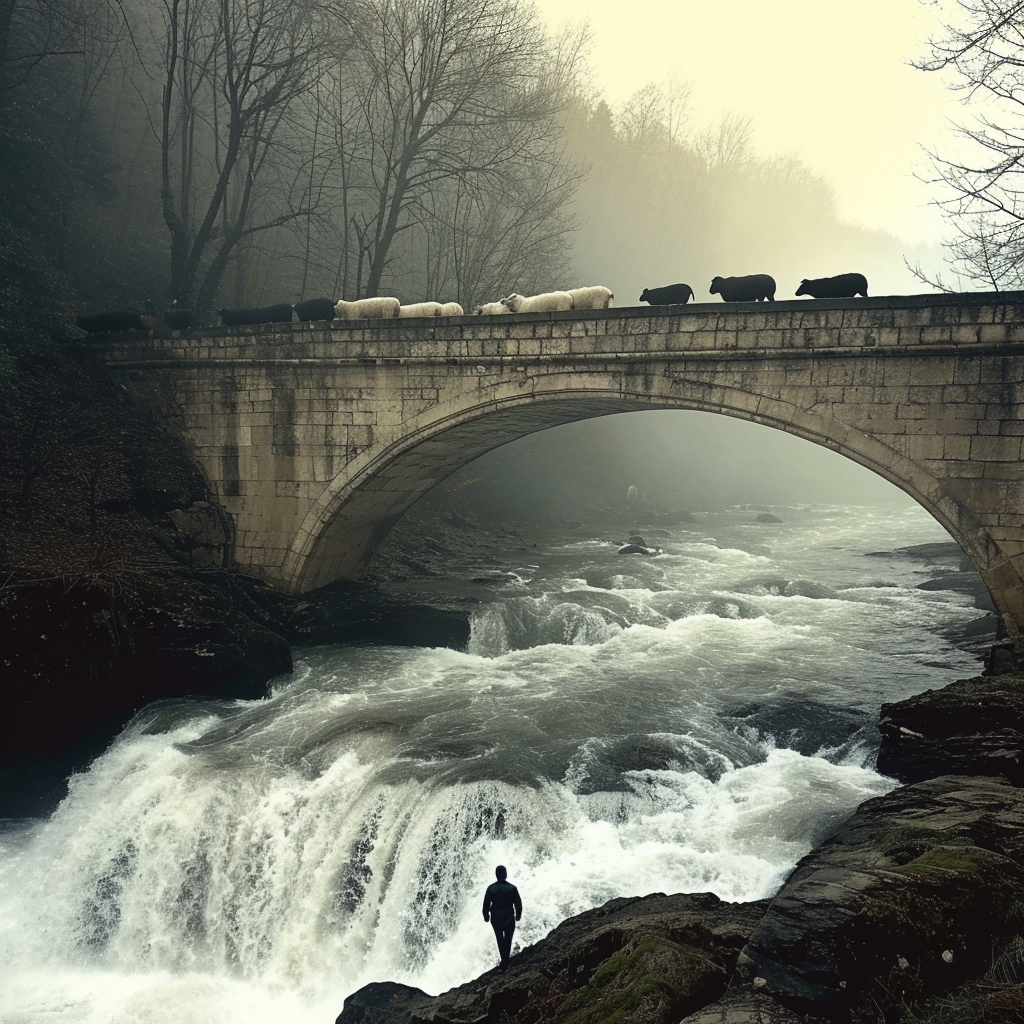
x: 361, y: 506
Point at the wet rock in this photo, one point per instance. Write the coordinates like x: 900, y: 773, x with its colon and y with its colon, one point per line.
x: 767, y: 517
x: 384, y: 1002
x: 971, y: 727
x: 638, y: 549
x: 964, y: 583
x: 902, y: 903
x: 935, y: 553
x: 648, y: 960
x: 346, y: 612
x: 974, y: 635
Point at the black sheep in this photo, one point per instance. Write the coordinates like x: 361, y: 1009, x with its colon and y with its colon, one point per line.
x: 751, y: 288
x: 669, y: 295
x: 239, y: 316
x: 842, y: 286
x: 177, y: 318
x: 314, y: 309
x: 242, y: 316
x: 115, y: 320
x: 279, y: 313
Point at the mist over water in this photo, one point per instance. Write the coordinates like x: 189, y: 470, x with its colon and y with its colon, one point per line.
x: 692, y: 721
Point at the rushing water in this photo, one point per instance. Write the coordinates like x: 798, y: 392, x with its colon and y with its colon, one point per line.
x: 620, y: 725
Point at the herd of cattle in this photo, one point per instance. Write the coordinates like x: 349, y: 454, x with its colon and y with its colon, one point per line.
x: 751, y: 288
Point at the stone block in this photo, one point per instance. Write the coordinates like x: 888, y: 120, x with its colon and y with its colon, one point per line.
x: 911, y: 411
x: 1001, y: 369
x: 925, y: 446
x: 995, y: 449
x: 925, y: 394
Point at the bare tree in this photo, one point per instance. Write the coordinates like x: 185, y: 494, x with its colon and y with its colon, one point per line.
x: 34, y: 32
x: 450, y: 110
x: 233, y: 72
x: 726, y: 144
x: 480, y: 242
x: 984, y: 188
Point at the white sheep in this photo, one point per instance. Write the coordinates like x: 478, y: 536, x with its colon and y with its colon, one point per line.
x: 546, y: 302
x: 595, y: 296
x: 381, y: 306
x: 491, y: 309
x: 451, y: 309
x: 420, y: 309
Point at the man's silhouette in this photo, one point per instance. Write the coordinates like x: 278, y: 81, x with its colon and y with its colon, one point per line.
x: 503, y: 907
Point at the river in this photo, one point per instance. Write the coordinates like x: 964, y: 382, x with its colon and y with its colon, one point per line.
x: 694, y: 720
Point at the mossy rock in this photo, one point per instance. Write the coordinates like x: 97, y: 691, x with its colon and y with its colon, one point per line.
x: 649, y: 981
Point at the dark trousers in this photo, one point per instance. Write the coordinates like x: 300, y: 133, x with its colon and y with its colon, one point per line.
x: 503, y: 932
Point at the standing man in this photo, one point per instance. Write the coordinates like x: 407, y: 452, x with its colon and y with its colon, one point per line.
x: 503, y: 907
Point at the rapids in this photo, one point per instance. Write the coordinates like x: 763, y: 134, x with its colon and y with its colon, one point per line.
x: 620, y: 724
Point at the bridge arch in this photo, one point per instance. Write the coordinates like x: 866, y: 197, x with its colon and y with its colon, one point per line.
x: 360, y: 505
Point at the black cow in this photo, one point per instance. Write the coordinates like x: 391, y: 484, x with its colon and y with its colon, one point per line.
x: 669, y: 295
x: 315, y: 309
x: 752, y: 288
x: 842, y: 286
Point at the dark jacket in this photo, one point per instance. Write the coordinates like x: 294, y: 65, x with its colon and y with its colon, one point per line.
x: 501, y: 900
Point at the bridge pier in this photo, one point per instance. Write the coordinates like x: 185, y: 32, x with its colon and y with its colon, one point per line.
x: 317, y: 437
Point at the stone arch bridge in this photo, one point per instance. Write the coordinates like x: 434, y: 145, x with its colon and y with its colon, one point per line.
x: 317, y: 437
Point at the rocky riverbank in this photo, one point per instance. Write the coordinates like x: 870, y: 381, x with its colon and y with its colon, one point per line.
x: 912, y: 911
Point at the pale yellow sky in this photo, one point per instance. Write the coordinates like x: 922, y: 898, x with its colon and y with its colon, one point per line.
x: 827, y: 80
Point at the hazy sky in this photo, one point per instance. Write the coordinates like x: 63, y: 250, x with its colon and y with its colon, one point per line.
x: 827, y: 80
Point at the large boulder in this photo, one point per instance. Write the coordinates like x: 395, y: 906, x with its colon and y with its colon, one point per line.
x: 648, y: 960
x: 904, y: 902
x: 971, y: 727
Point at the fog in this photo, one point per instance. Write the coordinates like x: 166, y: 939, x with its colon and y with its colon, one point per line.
x: 832, y: 85
x: 678, y: 460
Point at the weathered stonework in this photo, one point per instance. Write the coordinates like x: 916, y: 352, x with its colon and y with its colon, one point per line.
x: 317, y: 437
